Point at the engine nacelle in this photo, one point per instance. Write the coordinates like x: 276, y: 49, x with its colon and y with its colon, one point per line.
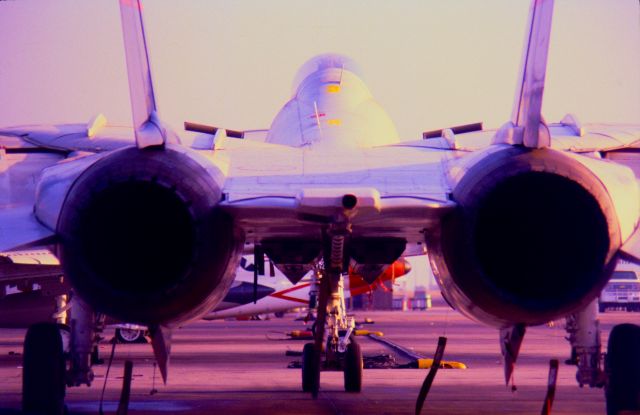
x: 140, y: 236
x: 535, y: 233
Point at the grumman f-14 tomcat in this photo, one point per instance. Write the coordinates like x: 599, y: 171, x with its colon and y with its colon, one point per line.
x: 523, y: 225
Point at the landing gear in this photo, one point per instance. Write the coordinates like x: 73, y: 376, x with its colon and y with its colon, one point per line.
x: 350, y: 362
x: 583, y: 330
x: 334, y: 347
x: 621, y: 375
x: 353, y: 368
x: 622, y: 391
x: 55, y: 358
x: 129, y: 335
x: 43, y: 370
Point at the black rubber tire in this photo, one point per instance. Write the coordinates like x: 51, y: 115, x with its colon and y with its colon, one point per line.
x: 622, y: 391
x: 353, y: 366
x: 310, y: 369
x: 128, y: 339
x: 43, y: 371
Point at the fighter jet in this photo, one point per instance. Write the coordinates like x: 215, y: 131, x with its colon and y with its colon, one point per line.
x: 523, y: 224
x: 277, y: 294
x: 33, y: 283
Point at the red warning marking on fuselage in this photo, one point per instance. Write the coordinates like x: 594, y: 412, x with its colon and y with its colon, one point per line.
x: 132, y: 3
x: 282, y: 294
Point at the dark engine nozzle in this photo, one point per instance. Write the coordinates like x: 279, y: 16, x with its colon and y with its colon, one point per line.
x: 533, y: 238
x: 142, y: 240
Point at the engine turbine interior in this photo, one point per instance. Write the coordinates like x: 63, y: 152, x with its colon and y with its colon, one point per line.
x: 141, y: 239
x: 533, y: 238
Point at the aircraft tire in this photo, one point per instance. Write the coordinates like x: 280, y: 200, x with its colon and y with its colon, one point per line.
x: 310, y: 369
x: 353, y: 368
x: 129, y: 336
x: 43, y: 370
x: 622, y: 391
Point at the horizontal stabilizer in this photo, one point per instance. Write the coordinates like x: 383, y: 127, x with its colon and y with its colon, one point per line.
x: 630, y: 250
x: 12, y: 273
x: 19, y: 229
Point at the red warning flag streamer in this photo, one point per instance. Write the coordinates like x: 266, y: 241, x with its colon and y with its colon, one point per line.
x: 551, y: 387
x: 426, y: 385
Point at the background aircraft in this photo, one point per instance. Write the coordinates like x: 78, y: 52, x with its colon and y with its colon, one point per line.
x: 34, y: 279
x: 277, y: 294
x: 151, y: 232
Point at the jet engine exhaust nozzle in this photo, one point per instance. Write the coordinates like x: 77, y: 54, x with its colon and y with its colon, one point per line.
x: 533, y: 238
x: 141, y: 239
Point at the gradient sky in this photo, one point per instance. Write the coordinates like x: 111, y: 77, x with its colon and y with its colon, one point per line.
x: 431, y: 64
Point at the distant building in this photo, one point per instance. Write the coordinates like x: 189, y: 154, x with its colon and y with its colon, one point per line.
x: 419, y: 301
x: 378, y: 299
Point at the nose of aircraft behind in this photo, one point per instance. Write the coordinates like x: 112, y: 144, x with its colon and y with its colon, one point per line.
x: 407, y: 266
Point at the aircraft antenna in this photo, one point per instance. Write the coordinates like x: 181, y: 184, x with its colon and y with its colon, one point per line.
x: 317, y: 115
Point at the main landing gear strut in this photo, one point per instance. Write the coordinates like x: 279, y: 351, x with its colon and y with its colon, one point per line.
x: 334, y: 348
x: 620, y: 376
x: 57, y: 355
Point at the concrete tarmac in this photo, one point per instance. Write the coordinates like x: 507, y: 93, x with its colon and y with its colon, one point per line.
x: 240, y: 367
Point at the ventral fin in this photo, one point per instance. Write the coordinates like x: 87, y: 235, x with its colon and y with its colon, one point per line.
x: 161, y: 344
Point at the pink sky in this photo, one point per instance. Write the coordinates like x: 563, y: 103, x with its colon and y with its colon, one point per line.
x: 431, y: 64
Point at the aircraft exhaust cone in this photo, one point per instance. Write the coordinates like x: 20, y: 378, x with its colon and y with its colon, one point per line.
x: 142, y: 240
x: 533, y: 238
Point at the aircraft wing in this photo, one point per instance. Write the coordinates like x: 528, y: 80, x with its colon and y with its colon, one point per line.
x: 21, y: 164
x: 94, y: 136
x: 19, y: 228
x: 26, y: 268
x: 11, y: 273
x: 25, y: 151
x: 569, y: 135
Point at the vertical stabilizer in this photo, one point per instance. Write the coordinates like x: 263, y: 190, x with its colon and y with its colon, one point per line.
x: 149, y: 130
x: 161, y: 344
x: 510, y: 343
x: 527, y: 127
